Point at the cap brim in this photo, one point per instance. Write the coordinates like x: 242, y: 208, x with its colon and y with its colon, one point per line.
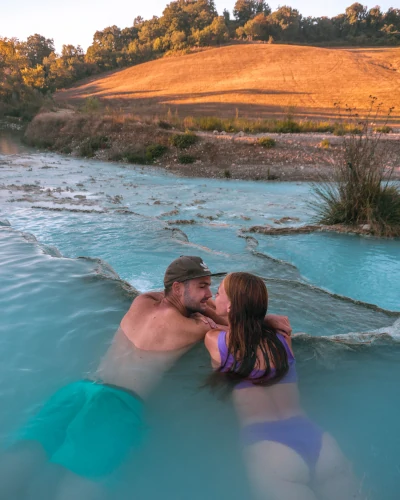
x: 203, y: 276
x: 196, y: 277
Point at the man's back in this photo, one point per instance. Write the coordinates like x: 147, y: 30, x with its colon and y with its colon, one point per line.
x: 152, y: 336
x: 154, y: 324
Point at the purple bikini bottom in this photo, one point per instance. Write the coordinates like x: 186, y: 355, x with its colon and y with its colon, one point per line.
x: 298, y: 433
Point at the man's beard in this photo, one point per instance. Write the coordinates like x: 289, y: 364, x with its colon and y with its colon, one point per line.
x: 191, y: 305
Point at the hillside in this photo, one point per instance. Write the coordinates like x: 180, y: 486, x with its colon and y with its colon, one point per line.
x: 256, y: 80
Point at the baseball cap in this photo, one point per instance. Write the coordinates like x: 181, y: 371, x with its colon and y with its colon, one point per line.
x: 185, y: 268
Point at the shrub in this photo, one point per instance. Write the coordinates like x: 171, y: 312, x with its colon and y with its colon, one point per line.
x: 287, y: 126
x: 41, y: 143
x: 135, y: 157
x: 383, y: 130
x: 361, y: 191
x: 183, y: 141
x: 210, y: 123
x: 186, y: 159
x: 91, y: 144
x: 99, y: 142
x: 227, y: 174
x: 155, y: 151
x: 116, y: 156
x: 189, y: 123
x: 13, y: 113
x: 324, y: 144
x: 271, y: 177
x: 266, y: 142
x: 91, y: 105
x: 165, y: 125
x: 341, y: 129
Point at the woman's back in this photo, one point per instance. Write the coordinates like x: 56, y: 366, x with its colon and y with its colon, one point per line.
x: 259, y: 403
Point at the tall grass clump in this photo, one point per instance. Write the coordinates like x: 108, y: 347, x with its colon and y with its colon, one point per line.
x: 286, y: 125
x: 183, y: 141
x: 361, y: 191
x: 266, y: 142
x: 186, y: 159
x: 155, y: 151
x: 91, y: 144
x: 91, y: 105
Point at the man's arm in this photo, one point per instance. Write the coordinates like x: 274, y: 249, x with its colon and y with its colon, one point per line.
x: 210, y: 313
x: 193, y: 329
x: 280, y: 323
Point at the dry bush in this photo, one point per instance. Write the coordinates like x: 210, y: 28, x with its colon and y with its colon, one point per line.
x: 361, y: 191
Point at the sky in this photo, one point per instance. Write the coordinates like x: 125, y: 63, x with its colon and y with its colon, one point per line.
x: 75, y: 21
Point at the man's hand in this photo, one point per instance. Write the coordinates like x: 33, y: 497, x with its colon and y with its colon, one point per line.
x: 205, y: 320
x: 280, y: 323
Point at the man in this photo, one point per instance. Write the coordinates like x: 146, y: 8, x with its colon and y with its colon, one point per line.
x: 88, y: 428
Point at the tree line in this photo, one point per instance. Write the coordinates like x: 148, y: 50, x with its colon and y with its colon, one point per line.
x: 31, y: 68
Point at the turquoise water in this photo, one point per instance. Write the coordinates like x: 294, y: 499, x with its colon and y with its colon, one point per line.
x: 366, y: 269
x: 59, y: 310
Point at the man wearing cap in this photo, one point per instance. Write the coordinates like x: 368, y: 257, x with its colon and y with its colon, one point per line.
x: 175, y: 318
x: 89, y: 427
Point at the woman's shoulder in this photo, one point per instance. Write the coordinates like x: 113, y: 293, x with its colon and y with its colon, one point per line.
x: 211, y: 343
x: 213, y: 335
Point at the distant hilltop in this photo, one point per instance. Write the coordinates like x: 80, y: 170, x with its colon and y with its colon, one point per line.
x: 31, y: 69
x: 256, y: 80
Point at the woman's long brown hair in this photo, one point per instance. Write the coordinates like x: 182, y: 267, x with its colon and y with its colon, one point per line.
x: 248, y: 332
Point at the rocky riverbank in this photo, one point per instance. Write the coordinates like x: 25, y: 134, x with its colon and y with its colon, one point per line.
x: 293, y: 157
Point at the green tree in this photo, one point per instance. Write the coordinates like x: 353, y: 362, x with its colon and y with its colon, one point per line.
x: 150, y: 30
x: 257, y: 28
x: 34, y: 77
x: 317, y: 29
x: 392, y: 17
x: 341, y: 26
x: 285, y: 24
x: 36, y: 48
x: 214, y: 34
x: 374, y: 22
x: 107, y: 48
x: 245, y: 10
x: 356, y: 16
x: 356, y: 13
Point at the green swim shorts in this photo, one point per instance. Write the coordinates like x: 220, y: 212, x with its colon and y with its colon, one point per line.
x: 88, y: 427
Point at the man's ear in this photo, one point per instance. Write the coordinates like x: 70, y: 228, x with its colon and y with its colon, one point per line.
x: 177, y: 288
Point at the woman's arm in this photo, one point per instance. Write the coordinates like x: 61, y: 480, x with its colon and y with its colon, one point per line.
x: 211, y: 343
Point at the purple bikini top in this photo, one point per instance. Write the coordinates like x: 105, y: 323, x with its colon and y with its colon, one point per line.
x: 227, y: 362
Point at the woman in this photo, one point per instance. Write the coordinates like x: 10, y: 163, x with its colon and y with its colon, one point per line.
x: 288, y: 456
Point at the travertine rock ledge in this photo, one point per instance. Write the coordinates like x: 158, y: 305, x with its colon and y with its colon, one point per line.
x: 310, y: 228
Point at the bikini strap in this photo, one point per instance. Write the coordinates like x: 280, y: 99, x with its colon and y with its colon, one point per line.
x: 222, y: 347
x: 286, y: 346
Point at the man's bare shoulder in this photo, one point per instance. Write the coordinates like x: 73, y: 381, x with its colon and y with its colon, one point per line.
x: 148, y: 298
x: 154, y: 296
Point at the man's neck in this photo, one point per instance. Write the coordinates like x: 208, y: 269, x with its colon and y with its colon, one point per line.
x: 175, y: 302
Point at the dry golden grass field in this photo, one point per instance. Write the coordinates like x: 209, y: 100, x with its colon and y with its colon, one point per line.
x: 252, y: 80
